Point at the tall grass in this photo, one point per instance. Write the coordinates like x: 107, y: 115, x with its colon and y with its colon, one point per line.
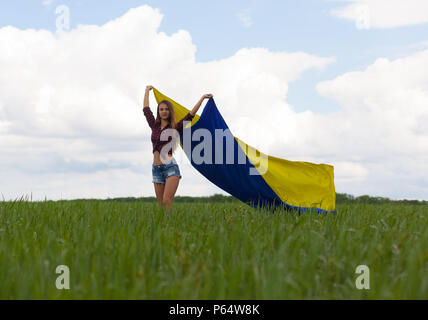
x: 133, y: 250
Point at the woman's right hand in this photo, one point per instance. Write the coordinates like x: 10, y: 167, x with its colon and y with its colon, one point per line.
x: 148, y: 88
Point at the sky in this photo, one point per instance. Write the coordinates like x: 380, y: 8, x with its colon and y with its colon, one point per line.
x: 325, y: 81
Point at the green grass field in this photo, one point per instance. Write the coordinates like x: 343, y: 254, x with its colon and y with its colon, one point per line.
x: 132, y: 250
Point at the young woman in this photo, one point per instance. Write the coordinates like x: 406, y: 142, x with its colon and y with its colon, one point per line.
x: 166, y: 173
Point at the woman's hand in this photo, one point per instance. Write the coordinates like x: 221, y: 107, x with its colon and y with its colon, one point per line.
x: 146, y: 96
x: 207, y: 96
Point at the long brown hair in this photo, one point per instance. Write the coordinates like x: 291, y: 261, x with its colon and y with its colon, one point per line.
x: 171, y: 119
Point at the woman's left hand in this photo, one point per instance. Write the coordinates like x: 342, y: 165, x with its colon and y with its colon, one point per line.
x: 207, y: 96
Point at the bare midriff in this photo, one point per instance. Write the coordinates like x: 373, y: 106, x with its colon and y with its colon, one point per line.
x: 157, y: 158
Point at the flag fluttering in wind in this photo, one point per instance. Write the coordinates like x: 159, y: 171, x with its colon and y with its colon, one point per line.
x: 246, y: 173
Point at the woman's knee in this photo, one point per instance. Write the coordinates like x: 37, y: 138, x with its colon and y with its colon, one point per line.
x: 167, y: 199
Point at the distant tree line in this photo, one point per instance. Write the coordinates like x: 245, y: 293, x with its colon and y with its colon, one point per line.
x: 348, y: 198
x: 341, y: 198
x: 214, y: 198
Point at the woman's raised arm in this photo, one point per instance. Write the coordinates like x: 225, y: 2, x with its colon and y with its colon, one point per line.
x: 189, y: 116
x: 147, y: 111
x: 198, y: 104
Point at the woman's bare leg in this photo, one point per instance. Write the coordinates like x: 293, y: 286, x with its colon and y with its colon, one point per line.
x: 171, y: 186
x: 159, y: 190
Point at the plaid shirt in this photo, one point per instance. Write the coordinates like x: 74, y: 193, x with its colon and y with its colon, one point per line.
x: 156, y: 129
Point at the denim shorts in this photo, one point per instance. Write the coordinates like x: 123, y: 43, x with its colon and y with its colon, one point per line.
x: 162, y: 171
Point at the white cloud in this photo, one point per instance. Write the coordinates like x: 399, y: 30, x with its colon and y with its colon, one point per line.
x: 71, y: 123
x: 383, y: 122
x: 384, y: 13
x: 350, y: 171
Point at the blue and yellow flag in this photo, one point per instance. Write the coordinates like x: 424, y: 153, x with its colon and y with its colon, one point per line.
x: 298, y: 185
